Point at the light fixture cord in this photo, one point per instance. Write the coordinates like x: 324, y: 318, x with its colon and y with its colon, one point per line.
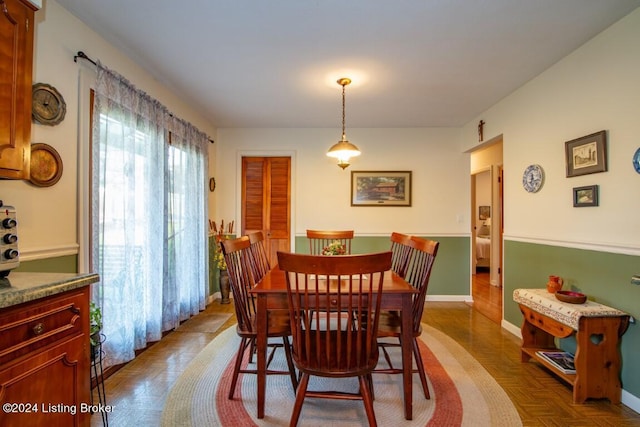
x: 344, y: 137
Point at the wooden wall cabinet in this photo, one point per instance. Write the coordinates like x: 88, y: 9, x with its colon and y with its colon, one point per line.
x: 45, y: 361
x: 16, y: 65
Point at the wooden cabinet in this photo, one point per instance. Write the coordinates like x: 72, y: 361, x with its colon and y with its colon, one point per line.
x: 44, y: 361
x: 597, y: 329
x: 16, y: 65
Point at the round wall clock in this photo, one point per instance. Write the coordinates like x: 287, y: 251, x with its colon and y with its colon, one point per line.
x: 636, y: 160
x: 532, y: 178
x: 48, y: 106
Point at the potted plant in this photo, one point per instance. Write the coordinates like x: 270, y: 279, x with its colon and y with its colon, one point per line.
x: 218, y: 257
x: 95, y: 326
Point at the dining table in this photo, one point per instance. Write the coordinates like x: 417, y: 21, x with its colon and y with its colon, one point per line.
x: 271, y: 295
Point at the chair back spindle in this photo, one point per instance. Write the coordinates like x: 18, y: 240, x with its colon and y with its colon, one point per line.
x: 259, y: 254
x: 418, y: 272
x: 237, y: 255
x: 401, y: 250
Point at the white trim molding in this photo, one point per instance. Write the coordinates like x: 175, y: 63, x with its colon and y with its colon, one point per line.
x: 590, y: 246
x: 51, y: 252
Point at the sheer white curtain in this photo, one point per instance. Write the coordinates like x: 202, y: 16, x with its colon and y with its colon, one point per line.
x: 148, y: 216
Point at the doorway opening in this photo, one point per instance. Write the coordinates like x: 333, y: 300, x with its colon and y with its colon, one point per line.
x: 487, y: 229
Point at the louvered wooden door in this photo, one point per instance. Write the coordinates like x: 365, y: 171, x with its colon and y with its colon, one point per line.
x: 266, y: 206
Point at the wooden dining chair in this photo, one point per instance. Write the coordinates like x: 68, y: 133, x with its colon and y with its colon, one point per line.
x: 401, y: 250
x: 421, y: 259
x: 259, y: 254
x: 334, y: 346
x: 237, y: 254
x: 320, y: 239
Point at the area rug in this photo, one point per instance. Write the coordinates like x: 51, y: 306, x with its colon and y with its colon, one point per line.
x: 462, y: 392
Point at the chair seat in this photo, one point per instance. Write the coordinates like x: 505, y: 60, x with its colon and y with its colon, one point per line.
x: 279, y: 326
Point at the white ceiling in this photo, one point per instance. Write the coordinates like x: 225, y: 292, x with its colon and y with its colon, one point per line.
x: 414, y: 63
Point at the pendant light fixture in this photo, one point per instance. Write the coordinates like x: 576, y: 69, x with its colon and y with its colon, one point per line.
x: 343, y: 150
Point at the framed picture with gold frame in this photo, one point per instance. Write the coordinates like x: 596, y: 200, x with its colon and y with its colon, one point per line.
x: 380, y: 188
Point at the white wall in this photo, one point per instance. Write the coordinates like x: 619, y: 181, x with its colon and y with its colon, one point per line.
x: 594, y: 88
x: 47, y: 216
x: 440, y: 174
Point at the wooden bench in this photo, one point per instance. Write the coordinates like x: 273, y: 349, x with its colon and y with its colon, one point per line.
x: 598, y: 330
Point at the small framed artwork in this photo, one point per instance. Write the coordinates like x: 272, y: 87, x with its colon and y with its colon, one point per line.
x: 585, y: 196
x: 484, y: 212
x: 587, y: 154
x: 380, y: 188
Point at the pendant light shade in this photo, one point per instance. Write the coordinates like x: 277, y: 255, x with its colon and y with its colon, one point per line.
x: 343, y: 150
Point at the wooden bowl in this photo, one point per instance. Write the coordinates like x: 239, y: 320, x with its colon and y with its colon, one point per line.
x: 571, y: 297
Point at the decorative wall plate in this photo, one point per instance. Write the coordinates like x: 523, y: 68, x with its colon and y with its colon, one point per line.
x: 48, y: 106
x: 532, y: 178
x: 636, y: 160
x: 46, y: 165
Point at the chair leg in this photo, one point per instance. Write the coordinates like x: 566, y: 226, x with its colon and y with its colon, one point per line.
x: 253, y: 350
x: 236, y: 368
x: 301, y: 392
x: 370, y: 383
x: 423, y: 375
x: 292, y: 369
x: 368, y: 401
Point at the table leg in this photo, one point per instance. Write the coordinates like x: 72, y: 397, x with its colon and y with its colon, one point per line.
x: 407, y: 355
x: 261, y: 351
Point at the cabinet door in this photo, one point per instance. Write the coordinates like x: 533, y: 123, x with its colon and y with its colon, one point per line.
x: 16, y: 64
x: 50, y: 388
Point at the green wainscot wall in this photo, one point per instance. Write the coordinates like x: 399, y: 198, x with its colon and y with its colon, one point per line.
x: 604, y: 277
x: 62, y: 264
x: 451, y: 271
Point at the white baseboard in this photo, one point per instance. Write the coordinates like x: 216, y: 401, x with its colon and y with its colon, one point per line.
x: 450, y: 298
x: 510, y: 327
x: 631, y: 401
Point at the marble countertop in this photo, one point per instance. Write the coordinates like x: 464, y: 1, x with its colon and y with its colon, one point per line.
x: 20, y: 287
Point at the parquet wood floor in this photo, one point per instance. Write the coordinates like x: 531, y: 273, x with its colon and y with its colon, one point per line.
x: 138, y: 391
x: 487, y: 299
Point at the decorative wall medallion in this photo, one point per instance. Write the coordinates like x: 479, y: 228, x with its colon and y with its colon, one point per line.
x: 46, y: 165
x: 48, y: 106
x: 532, y: 178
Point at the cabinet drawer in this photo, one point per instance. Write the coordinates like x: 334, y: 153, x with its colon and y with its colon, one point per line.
x: 40, y: 323
x: 545, y: 323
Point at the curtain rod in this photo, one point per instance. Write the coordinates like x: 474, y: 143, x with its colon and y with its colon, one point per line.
x: 83, y: 55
